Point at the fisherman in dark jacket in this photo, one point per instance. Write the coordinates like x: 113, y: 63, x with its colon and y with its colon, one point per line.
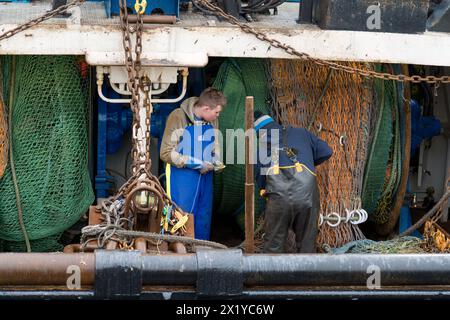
x: 286, y: 174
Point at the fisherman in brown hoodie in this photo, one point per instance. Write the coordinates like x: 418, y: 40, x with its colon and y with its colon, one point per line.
x: 190, y: 148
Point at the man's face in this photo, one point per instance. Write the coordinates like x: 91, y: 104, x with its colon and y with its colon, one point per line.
x: 210, y: 114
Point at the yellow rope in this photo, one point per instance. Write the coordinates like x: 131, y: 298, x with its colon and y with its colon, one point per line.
x: 168, y: 181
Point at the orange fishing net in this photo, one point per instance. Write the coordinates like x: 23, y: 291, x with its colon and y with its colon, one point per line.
x: 338, y: 108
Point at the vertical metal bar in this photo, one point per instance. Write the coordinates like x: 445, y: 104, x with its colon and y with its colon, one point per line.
x: 91, y: 87
x: 101, y: 183
x: 249, y: 177
x: 420, y: 167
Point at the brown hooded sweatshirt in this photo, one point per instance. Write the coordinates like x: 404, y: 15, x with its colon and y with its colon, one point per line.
x: 175, y: 125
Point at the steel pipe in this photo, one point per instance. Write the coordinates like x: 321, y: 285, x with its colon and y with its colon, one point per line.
x: 346, y: 270
x: 305, y: 269
x: 176, y: 269
x: 252, y: 270
x: 45, y: 268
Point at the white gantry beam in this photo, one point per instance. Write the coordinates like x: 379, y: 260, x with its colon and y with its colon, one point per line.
x: 192, y: 45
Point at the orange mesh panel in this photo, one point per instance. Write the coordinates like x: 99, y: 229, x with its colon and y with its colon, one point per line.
x: 338, y: 108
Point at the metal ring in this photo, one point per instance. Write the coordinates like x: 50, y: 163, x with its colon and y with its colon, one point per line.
x: 134, y: 131
x: 362, y: 215
x: 320, y: 127
x: 333, y: 225
x: 357, y: 221
x: 320, y: 220
x: 348, y: 215
x: 366, y: 215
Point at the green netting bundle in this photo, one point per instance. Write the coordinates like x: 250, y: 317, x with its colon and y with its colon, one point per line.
x: 47, y: 244
x: 238, y: 78
x: 50, y: 150
x: 383, y: 168
x: 402, y: 245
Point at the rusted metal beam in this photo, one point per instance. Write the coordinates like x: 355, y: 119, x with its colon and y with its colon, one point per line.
x: 249, y: 178
x: 45, y: 268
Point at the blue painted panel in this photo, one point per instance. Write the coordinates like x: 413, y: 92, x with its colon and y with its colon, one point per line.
x: 22, y: 1
x: 166, y: 7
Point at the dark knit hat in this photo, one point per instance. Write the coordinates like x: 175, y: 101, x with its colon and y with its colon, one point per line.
x: 261, y: 120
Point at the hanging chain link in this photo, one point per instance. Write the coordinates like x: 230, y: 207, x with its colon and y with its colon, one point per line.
x: 40, y: 19
x: 141, y: 153
x: 329, y: 64
x: 146, y: 87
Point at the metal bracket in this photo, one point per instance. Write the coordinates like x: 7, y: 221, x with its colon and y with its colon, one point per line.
x: 220, y: 272
x: 118, y: 274
x: 161, y: 77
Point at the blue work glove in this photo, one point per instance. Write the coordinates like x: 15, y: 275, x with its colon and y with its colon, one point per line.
x: 206, y: 167
x: 193, y: 163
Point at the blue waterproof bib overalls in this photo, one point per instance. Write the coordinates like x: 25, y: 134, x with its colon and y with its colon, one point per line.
x: 188, y: 188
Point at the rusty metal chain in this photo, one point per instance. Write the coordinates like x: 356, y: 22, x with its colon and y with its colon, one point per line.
x: 329, y: 64
x: 40, y: 19
x: 142, y: 177
x: 133, y: 66
x: 141, y: 154
x: 146, y: 87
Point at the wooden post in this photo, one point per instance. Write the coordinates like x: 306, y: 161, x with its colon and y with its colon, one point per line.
x: 249, y: 178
